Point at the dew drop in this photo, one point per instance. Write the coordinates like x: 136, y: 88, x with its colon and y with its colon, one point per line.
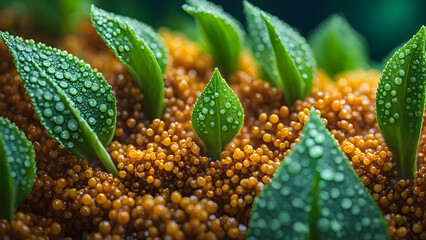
x: 65, y: 135
x: 103, y: 108
x: 387, y: 87
x: 346, y: 204
x: 72, y: 125
x: 294, y: 167
x: 92, y: 102
x: 316, y: 152
x: 92, y: 121
x: 398, y: 80
x: 229, y: 119
x: 47, y: 112
x: 327, y: 175
x: 60, y: 106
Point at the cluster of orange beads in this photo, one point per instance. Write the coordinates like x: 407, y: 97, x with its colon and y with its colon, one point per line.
x: 168, y: 188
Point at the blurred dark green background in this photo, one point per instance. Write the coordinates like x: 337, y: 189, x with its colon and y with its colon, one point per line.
x: 384, y: 23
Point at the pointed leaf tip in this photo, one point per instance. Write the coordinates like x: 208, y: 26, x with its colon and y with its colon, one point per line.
x: 217, y: 116
x: 285, y: 58
x: 337, y: 46
x: 17, y: 168
x: 400, y: 101
x: 223, y: 35
x: 74, y: 102
x: 315, y: 194
x: 141, y: 51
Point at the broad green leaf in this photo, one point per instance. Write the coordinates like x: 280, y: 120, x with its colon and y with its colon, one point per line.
x: 17, y: 168
x: 315, y: 194
x: 285, y: 59
x: 140, y: 50
x: 74, y: 103
x: 223, y: 35
x: 293, y: 60
x: 400, y: 102
x: 217, y: 116
x: 337, y: 46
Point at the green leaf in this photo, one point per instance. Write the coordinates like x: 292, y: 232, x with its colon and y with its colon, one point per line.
x: 315, y: 194
x: 223, y: 35
x: 74, y: 103
x: 400, y: 102
x: 260, y: 44
x: 285, y: 59
x: 337, y: 46
x: 17, y: 168
x: 140, y: 50
x: 217, y: 116
x: 293, y: 60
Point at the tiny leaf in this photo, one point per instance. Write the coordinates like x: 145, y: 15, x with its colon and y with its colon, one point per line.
x: 140, y: 50
x: 295, y: 66
x: 285, y: 59
x: 17, y: 168
x: 74, y: 103
x: 337, y: 46
x: 315, y: 194
x: 400, y: 102
x: 223, y: 35
x: 217, y: 116
x: 260, y: 44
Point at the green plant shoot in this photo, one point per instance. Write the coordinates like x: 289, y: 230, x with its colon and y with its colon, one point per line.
x: 74, y: 102
x: 285, y: 59
x: 217, y: 116
x: 17, y: 168
x: 222, y: 34
x: 400, y: 102
x: 337, y: 46
x: 315, y: 194
x: 141, y: 51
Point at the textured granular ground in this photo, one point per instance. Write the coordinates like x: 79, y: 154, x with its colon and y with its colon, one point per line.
x: 169, y: 189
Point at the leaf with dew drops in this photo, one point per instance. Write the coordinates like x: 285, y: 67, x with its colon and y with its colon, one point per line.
x: 73, y: 102
x: 217, y: 116
x: 337, y: 46
x: 222, y: 34
x: 294, y: 65
x: 315, y: 194
x: 141, y: 51
x: 17, y: 168
x: 400, y: 102
x: 285, y: 59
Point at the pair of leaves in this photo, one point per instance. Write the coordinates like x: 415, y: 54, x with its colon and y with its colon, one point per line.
x: 337, y: 46
x: 74, y: 102
x: 400, y: 101
x: 285, y: 58
x: 217, y: 116
x: 315, y: 194
x: 17, y: 168
x: 140, y: 50
x: 222, y: 34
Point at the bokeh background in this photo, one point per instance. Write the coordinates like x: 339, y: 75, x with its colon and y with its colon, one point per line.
x: 384, y: 23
